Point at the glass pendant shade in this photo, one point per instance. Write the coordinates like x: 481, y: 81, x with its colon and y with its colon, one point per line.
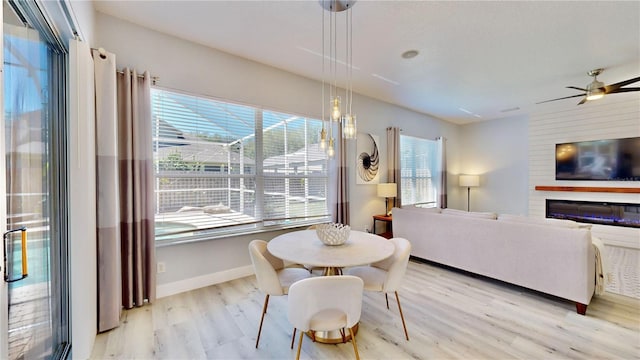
x: 331, y: 151
x: 335, y: 109
x: 349, y: 126
x: 323, y: 138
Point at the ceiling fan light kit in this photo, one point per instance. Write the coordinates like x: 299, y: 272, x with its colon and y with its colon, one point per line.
x: 597, y: 89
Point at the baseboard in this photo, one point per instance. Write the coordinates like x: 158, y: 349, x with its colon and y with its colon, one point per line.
x: 197, y: 282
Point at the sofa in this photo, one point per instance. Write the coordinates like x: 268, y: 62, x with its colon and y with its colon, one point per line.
x: 547, y: 255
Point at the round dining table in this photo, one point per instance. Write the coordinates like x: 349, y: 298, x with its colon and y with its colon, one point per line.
x: 304, y: 247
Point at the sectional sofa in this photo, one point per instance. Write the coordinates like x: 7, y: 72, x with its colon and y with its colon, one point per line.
x: 553, y: 257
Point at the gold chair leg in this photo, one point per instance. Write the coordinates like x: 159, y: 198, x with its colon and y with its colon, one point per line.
x: 293, y: 337
x: 353, y: 341
x: 300, y: 345
x: 406, y: 334
x: 386, y: 298
x: 264, y: 311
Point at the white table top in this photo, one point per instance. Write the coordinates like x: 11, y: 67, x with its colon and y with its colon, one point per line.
x: 304, y: 247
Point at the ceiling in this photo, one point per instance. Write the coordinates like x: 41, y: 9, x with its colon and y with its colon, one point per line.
x: 477, y: 60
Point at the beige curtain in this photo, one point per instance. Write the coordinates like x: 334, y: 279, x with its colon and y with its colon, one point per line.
x: 442, y: 189
x: 136, y: 189
x: 108, y: 212
x: 125, y: 214
x: 393, y: 159
x: 342, y: 203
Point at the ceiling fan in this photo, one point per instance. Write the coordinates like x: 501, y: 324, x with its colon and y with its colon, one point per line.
x: 597, y: 89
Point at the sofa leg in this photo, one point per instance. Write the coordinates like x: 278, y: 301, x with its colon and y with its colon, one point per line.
x: 581, y: 308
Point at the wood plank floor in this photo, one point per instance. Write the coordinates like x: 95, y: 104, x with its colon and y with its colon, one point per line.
x: 450, y: 315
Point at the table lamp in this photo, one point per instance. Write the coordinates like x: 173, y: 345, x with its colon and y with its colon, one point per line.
x: 469, y: 181
x: 387, y: 190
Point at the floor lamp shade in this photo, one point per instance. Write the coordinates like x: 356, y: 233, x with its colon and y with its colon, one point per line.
x: 469, y: 180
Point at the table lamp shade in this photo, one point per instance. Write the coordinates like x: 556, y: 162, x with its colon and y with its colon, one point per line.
x: 469, y: 180
x: 387, y: 190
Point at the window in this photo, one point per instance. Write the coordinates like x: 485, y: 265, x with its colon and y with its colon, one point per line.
x: 225, y: 168
x: 419, y: 168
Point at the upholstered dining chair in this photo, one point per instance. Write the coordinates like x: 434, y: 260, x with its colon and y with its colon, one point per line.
x: 386, y: 275
x: 272, y: 276
x: 325, y: 303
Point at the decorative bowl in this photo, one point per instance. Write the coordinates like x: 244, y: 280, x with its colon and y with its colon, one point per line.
x: 332, y: 233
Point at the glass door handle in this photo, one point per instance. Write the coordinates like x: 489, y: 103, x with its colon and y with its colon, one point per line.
x: 25, y: 271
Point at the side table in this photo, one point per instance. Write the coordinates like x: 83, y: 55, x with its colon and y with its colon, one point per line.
x: 388, y: 230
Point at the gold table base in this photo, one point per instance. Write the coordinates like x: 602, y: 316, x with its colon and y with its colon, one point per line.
x: 331, y: 337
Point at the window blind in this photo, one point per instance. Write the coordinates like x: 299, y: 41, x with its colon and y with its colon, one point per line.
x: 295, y: 169
x: 418, y: 167
x: 225, y: 167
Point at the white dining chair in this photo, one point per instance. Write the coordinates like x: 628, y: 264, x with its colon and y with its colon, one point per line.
x: 386, y: 275
x: 272, y: 276
x: 325, y: 303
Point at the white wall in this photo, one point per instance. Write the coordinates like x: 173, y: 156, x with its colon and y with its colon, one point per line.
x: 615, y: 116
x: 190, y: 67
x: 82, y: 201
x: 496, y: 150
x: 84, y: 13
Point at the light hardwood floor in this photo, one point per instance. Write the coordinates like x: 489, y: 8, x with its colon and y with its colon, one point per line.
x: 450, y: 315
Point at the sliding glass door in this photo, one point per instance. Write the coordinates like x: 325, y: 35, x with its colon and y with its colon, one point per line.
x: 34, y: 244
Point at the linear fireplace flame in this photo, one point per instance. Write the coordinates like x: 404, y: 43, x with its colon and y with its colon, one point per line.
x: 594, y: 212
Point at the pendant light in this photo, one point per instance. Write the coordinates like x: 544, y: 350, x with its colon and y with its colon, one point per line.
x: 346, y: 119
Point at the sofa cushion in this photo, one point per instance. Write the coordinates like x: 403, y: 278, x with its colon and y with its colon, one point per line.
x: 474, y: 214
x: 420, y: 208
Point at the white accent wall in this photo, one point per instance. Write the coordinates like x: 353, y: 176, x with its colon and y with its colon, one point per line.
x: 615, y: 116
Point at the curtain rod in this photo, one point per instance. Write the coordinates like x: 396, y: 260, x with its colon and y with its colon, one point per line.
x: 103, y: 55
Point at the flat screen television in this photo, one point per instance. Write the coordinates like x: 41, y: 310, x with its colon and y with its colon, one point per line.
x: 614, y: 159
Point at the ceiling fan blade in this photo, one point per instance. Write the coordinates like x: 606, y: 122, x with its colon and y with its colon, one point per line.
x: 562, y: 98
x: 624, y: 90
x: 583, y: 101
x: 577, y: 88
x: 611, y: 88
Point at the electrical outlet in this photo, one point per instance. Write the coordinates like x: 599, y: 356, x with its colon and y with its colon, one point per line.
x: 366, y: 229
x: 161, y: 267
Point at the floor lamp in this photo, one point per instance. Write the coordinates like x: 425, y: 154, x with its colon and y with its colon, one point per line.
x: 469, y: 181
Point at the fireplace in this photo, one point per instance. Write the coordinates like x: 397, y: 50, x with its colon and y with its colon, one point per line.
x: 595, y: 212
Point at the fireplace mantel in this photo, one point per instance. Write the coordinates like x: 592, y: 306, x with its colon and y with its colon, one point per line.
x: 625, y: 190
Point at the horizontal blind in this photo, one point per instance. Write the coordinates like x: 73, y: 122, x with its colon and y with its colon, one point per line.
x: 207, y: 172
x: 204, y: 152
x: 295, y: 169
x: 418, y: 166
